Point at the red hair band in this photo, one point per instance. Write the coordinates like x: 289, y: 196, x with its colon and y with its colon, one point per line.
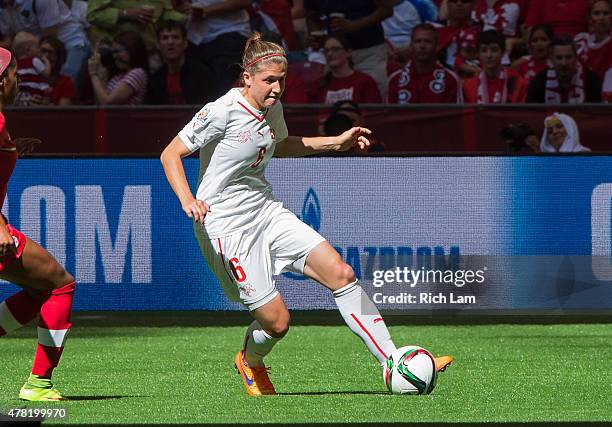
x: 270, y: 55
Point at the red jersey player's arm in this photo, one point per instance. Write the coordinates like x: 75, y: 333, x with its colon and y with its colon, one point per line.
x: 171, y: 159
x: 7, y: 244
x: 297, y: 146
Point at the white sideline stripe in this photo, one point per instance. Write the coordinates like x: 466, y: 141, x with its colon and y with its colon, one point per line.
x: 52, y: 337
x: 7, y: 320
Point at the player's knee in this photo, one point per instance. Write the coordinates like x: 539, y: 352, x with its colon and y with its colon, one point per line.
x: 68, y: 278
x: 281, y: 326
x: 344, y: 273
x: 61, y: 277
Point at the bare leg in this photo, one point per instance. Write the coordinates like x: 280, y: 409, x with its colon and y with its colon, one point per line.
x: 48, y: 291
x: 36, y: 270
x: 270, y: 325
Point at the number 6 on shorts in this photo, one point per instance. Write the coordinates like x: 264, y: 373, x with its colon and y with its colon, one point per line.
x: 237, y: 271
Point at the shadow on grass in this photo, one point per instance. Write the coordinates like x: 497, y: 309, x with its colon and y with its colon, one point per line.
x: 323, y: 393
x: 76, y: 398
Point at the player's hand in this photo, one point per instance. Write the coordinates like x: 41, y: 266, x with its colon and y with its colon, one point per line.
x: 7, y: 244
x: 26, y: 145
x: 356, y: 136
x: 197, y: 210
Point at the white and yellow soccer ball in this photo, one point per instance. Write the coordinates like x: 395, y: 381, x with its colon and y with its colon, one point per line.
x: 410, y: 370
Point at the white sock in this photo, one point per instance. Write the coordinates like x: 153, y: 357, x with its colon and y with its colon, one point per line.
x: 257, y: 344
x: 364, y: 319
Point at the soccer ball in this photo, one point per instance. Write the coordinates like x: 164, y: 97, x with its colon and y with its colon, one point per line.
x: 410, y: 370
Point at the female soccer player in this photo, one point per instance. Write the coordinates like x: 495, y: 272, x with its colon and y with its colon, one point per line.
x: 245, y: 235
x: 47, y: 288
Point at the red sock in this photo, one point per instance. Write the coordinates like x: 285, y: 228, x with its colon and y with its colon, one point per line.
x: 53, y: 327
x: 18, y: 310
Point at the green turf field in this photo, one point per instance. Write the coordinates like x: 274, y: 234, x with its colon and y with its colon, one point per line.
x: 138, y: 374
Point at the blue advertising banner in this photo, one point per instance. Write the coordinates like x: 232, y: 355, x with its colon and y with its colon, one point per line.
x: 421, y: 233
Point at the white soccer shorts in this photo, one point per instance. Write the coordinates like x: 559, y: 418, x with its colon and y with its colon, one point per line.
x: 246, y: 261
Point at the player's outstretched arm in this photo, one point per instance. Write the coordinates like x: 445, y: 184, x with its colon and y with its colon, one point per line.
x: 171, y: 159
x: 296, y: 146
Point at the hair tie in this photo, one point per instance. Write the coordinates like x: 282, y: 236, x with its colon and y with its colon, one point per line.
x: 270, y: 55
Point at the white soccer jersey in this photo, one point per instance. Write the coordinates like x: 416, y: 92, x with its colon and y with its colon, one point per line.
x: 236, y: 142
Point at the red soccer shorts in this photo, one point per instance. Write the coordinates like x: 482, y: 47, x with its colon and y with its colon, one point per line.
x: 20, y: 240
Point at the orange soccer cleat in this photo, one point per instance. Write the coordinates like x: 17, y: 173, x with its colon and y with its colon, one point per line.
x: 256, y: 380
x: 443, y: 362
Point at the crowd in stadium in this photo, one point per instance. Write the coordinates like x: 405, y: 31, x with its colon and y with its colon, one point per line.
x: 131, y: 52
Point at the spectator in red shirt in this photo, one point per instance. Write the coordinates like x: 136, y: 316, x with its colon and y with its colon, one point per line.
x: 466, y: 63
x: 540, y: 37
x: 564, y: 16
x: 342, y: 82
x: 496, y: 84
x: 595, y: 47
x: 567, y: 80
x: 458, y: 28
x: 360, y: 22
x: 424, y: 80
x: 63, y: 90
x: 181, y: 79
x: 504, y: 16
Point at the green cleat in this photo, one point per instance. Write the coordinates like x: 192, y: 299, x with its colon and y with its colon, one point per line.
x: 38, y: 389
